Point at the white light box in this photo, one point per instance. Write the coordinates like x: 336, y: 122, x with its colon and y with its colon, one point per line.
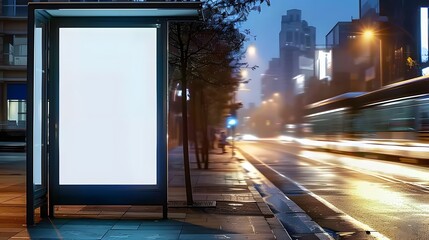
x: 108, y: 106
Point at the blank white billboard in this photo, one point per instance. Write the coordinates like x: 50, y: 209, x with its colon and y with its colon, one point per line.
x: 107, y: 106
x: 37, y: 106
x: 324, y: 64
x: 424, y: 34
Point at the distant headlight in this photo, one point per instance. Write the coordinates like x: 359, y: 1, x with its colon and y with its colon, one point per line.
x: 286, y: 138
x: 248, y: 137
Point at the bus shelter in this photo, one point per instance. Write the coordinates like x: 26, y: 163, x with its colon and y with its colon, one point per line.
x: 97, y: 97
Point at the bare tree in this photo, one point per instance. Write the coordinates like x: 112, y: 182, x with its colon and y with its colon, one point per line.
x: 207, y: 54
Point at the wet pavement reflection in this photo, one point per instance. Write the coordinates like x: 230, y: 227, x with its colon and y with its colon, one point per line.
x: 385, y: 197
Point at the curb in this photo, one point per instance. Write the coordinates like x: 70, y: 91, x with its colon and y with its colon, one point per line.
x: 275, y: 201
x: 276, y: 226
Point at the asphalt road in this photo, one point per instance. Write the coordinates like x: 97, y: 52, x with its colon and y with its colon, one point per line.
x: 350, y: 197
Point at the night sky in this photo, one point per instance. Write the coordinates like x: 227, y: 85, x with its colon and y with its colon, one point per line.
x: 322, y: 14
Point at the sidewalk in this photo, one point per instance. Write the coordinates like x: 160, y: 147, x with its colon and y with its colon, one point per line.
x: 240, y: 211
x: 234, y: 209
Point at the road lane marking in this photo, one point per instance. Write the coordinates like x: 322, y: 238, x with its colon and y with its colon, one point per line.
x: 368, y: 172
x: 373, y: 232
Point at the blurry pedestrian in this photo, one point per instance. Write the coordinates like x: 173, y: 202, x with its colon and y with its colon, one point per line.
x: 222, y: 141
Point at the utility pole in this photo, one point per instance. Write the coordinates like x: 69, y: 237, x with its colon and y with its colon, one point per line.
x: 232, y: 122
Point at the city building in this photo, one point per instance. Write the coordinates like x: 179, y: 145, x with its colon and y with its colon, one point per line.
x: 13, y: 61
x: 297, y: 41
x: 296, y: 32
x: 284, y: 82
x: 348, y: 54
x: 270, y: 80
x: 387, y: 44
x: 400, y: 33
x: 317, y: 87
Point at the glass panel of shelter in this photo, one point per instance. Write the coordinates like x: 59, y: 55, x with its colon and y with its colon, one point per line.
x: 39, y: 106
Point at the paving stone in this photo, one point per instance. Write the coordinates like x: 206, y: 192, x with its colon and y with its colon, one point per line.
x: 226, y: 236
x: 239, y: 211
x: 141, y: 234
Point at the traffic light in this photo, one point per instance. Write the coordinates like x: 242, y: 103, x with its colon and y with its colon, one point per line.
x: 231, y: 121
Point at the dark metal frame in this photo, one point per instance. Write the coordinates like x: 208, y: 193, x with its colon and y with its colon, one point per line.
x: 37, y: 195
x: 52, y: 193
x: 108, y: 194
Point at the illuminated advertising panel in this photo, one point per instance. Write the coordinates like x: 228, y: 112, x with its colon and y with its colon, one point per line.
x: 108, y: 106
x: 37, y: 107
x: 324, y: 64
x: 299, y: 83
x: 424, y: 29
x: 425, y: 71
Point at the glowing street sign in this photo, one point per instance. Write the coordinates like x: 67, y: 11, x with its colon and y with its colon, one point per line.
x: 232, y: 121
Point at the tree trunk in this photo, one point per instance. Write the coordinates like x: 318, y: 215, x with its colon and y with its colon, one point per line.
x: 184, y: 80
x: 205, y: 129
x: 194, y: 130
x: 188, y: 183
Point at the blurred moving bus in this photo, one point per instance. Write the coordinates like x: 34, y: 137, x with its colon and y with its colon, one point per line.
x: 398, y: 111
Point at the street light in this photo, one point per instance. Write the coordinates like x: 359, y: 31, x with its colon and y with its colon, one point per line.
x: 251, y: 50
x: 232, y: 121
x: 369, y: 35
x: 242, y: 87
x: 244, y: 73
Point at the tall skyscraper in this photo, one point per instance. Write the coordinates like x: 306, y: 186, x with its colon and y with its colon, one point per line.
x: 297, y: 42
x: 296, y: 32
